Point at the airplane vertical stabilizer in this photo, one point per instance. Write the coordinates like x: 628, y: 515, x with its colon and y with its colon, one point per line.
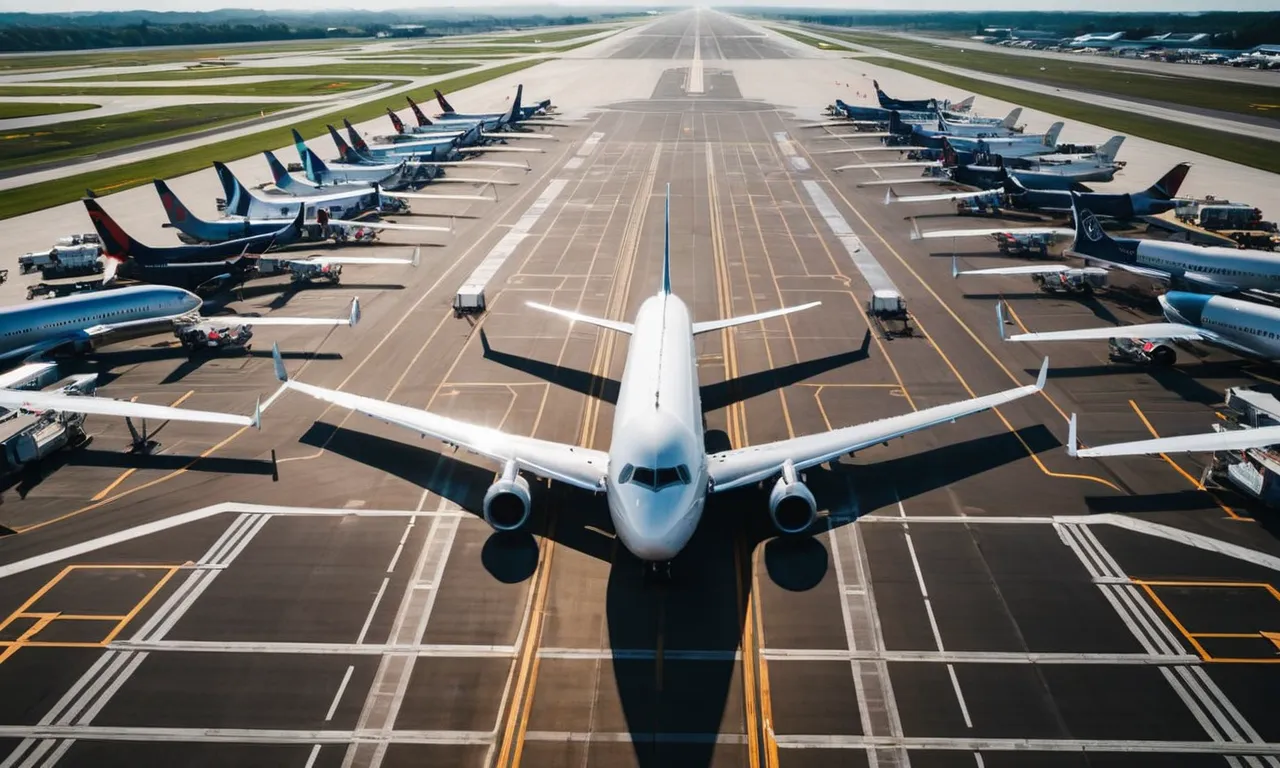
x: 396, y: 122
x: 1109, y: 150
x: 1051, y: 135
x: 1011, y: 120
x: 1091, y: 241
x: 280, y: 174
x: 300, y: 146
x: 179, y: 215
x: 666, y: 245
x: 116, y: 243
x: 417, y: 113
x: 1169, y: 184
x: 445, y: 106
x: 236, y: 194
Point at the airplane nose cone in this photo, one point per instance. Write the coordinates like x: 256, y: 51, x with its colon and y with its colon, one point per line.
x: 1182, y: 307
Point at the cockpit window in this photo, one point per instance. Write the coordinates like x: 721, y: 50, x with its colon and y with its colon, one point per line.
x: 655, y: 479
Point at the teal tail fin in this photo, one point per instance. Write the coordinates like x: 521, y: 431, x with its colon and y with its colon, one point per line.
x: 666, y: 246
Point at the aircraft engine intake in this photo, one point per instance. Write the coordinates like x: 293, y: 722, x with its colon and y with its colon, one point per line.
x: 507, y: 502
x: 791, y: 503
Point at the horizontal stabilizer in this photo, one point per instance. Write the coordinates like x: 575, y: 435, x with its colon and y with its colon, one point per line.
x: 1139, y: 331
x: 612, y: 325
x: 715, y: 325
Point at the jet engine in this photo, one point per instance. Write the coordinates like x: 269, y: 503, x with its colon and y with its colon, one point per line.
x: 1154, y: 352
x: 791, y: 503
x: 507, y: 502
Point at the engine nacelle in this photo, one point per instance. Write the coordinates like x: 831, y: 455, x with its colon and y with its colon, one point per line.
x: 507, y: 502
x: 1154, y: 352
x: 791, y: 503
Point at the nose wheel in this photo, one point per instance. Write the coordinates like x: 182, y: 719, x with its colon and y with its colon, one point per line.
x: 657, y: 573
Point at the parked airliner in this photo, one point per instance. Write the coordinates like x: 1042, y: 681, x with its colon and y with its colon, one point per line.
x: 657, y: 474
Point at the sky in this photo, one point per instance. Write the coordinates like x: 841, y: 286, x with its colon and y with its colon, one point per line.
x: 55, y: 6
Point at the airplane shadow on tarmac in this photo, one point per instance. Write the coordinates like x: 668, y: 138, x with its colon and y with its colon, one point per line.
x: 675, y: 702
x: 106, y: 363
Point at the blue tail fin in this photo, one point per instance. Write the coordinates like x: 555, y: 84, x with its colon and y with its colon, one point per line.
x: 300, y: 145
x: 237, y: 195
x: 316, y: 169
x: 666, y: 245
x: 180, y: 216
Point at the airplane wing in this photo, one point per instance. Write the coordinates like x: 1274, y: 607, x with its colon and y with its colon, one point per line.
x: 351, y: 320
x: 354, y: 261
x: 1208, y: 283
x: 732, y: 469
x: 892, y: 197
x: 881, y: 166
x: 936, y: 234
x: 580, y: 467
x: 896, y: 182
x: 715, y: 325
x: 47, y: 401
x: 423, y: 196
x: 1033, y: 269
x: 1139, y: 331
x: 391, y: 226
x: 613, y: 325
x: 1224, y: 440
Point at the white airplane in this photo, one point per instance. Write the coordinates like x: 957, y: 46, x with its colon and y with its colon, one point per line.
x: 656, y: 473
x: 1207, y: 269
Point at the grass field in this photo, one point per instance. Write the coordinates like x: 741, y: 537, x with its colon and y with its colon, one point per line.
x: 1246, y: 150
x: 362, y: 69
x: 816, y: 43
x: 171, y: 55
x: 80, y: 138
x: 37, y: 196
x: 13, y: 109
x: 300, y: 88
x: 553, y: 37
x: 1240, y: 98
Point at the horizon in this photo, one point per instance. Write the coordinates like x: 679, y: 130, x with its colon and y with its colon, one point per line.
x: 1169, y: 7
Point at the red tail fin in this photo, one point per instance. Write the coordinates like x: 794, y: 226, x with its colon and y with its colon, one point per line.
x: 445, y: 106
x: 396, y: 122
x: 417, y: 112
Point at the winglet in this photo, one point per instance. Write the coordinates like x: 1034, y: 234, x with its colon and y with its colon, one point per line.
x: 1000, y: 319
x: 278, y: 362
x: 955, y: 268
x: 257, y: 413
x: 1071, y: 437
x: 890, y: 197
x: 1044, y: 375
x: 915, y: 229
x: 355, y: 311
x: 666, y: 245
x: 417, y: 256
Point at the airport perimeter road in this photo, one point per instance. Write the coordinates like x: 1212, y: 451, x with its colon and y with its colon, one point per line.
x: 970, y: 596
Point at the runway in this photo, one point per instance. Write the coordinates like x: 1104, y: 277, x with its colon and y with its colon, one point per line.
x: 323, y: 593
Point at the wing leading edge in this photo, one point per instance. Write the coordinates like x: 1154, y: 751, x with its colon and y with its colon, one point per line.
x: 581, y: 467
x: 743, y: 466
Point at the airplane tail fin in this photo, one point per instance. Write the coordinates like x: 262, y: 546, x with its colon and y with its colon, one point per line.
x: 949, y: 157
x: 357, y: 140
x: 1091, y: 241
x: 279, y: 174
x: 1051, y: 135
x: 666, y: 245
x: 963, y: 106
x: 179, y: 215
x: 445, y: 106
x: 396, y: 122
x: 316, y: 169
x: 896, y: 125
x: 514, y: 115
x: 1169, y: 184
x: 1109, y: 150
x: 344, y: 150
x: 116, y: 243
x: 1011, y: 120
x: 236, y: 194
x: 300, y: 145
x: 417, y: 112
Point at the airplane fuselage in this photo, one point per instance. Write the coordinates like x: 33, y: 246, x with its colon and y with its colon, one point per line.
x: 658, y: 478
x: 1241, y: 269
x: 1244, y: 326
x: 32, y: 323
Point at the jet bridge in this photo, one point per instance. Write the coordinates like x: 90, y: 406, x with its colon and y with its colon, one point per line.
x: 1255, y: 471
